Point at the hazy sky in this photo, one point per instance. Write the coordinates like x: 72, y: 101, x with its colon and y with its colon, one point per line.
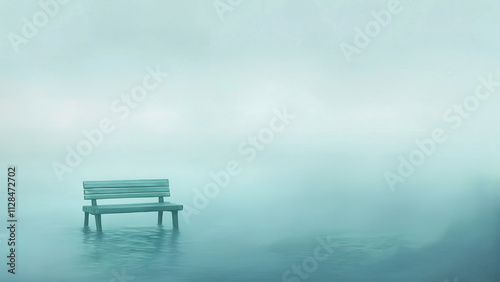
x: 227, y: 75
x: 182, y: 89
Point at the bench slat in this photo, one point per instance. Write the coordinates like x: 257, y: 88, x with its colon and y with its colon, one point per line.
x: 130, y: 195
x: 129, y: 208
x: 125, y: 183
x: 125, y: 190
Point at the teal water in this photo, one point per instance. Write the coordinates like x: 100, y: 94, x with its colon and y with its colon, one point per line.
x: 259, y: 229
x: 133, y: 248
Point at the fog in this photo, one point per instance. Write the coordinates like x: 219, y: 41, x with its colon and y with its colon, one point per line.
x: 394, y: 138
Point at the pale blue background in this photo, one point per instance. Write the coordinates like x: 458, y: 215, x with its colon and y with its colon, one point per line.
x: 323, y: 175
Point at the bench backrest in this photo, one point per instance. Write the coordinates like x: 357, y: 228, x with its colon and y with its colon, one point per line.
x: 118, y: 189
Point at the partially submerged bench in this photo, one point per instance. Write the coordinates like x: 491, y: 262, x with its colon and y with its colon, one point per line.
x: 120, y: 189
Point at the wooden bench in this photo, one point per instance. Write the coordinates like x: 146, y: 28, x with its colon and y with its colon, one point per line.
x: 120, y: 189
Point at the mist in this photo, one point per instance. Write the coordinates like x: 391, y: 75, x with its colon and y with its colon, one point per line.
x: 272, y: 133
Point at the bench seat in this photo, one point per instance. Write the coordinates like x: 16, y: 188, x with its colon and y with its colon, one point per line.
x: 129, y: 208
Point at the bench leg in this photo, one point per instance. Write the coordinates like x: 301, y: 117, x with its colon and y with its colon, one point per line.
x: 98, y: 223
x: 175, y: 220
x: 160, y: 217
x: 86, y: 221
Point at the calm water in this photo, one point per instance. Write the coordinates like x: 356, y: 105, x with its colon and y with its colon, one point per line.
x: 133, y: 248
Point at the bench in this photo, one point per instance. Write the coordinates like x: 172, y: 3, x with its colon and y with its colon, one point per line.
x: 121, y: 189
